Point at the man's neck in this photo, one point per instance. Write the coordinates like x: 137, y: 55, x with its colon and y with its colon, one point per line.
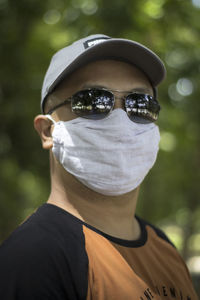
x: 113, y: 215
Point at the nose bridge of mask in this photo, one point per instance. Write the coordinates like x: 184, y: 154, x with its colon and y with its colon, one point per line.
x: 118, y: 118
x: 119, y: 114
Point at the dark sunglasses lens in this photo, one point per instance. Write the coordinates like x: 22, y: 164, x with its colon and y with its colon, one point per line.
x: 142, y: 108
x: 92, y: 103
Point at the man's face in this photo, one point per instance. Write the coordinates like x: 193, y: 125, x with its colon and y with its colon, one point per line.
x: 108, y: 74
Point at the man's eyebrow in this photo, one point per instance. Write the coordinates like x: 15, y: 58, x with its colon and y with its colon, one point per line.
x: 144, y: 90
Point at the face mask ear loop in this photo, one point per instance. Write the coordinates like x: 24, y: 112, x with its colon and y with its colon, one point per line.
x: 50, y: 118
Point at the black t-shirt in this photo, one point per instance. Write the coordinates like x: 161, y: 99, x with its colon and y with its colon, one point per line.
x: 55, y: 256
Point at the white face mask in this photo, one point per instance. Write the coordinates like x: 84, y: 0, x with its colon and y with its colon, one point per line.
x: 110, y: 156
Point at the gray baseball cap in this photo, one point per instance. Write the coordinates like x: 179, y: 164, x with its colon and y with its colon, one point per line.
x: 99, y: 46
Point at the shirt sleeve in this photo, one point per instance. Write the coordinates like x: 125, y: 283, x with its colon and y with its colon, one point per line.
x: 35, y: 265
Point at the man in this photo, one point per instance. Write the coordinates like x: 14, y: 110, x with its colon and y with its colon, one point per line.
x: 99, y: 107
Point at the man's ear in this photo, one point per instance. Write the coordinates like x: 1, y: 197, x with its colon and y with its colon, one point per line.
x: 43, y: 127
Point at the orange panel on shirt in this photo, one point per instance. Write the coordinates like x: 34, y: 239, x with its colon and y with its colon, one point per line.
x: 154, y: 270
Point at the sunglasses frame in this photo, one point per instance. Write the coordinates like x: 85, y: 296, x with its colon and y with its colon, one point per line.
x: 134, y: 118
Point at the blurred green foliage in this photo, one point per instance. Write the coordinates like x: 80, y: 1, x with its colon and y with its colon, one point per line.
x: 31, y: 31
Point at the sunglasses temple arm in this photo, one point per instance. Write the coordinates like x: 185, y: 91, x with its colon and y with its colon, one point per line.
x: 58, y: 106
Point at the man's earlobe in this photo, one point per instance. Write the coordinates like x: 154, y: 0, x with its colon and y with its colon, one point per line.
x: 43, y: 126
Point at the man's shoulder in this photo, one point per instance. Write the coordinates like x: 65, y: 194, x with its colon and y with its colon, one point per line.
x: 48, y: 230
x: 47, y: 246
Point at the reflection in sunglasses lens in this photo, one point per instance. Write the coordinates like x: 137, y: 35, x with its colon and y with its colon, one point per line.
x: 142, y: 108
x: 92, y: 104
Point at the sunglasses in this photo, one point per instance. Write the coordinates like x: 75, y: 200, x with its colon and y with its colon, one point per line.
x: 97, y: 103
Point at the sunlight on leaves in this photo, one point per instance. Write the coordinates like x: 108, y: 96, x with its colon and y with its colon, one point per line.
x: 194, y: 242
x: 184, y: 87
x: 89, y: 7
x: 173, y: 93
x: 59, y: 39
x: 52, y: 17
x: 154, y: 8
x: 175, y: 234
x: 193, y: 264
x: 176, y: 58
x: 196, y: 3
x: 167, y: 141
